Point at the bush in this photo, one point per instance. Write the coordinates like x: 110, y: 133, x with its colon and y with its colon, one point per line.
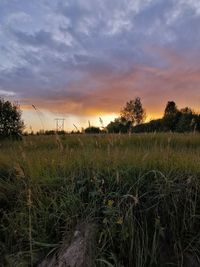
x: 92, y: 130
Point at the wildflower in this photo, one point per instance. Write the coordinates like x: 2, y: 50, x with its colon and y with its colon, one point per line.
x: 120, y: 221
x: 110, y: 203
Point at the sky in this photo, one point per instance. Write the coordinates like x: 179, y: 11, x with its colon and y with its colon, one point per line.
x: 84, y: 59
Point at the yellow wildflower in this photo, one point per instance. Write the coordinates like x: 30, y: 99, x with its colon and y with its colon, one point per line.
x: 110, y: 203
x: 120, y: 220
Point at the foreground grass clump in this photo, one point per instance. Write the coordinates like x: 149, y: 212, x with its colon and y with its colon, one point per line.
x: 143, y: 192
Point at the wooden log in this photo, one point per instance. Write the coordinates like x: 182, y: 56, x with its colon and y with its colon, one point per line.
x: 79, y: 253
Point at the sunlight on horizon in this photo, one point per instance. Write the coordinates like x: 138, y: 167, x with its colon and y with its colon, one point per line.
x: 45, y: 120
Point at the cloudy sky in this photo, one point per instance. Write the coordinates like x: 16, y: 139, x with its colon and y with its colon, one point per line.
x: 83, y: 59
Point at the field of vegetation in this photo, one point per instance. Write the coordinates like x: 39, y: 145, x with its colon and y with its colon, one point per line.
x: 141, y: 190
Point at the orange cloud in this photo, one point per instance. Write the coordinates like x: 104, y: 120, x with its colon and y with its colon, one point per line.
x: 178, y: 80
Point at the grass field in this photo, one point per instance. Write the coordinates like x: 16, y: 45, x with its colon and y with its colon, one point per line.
x: 143, y: 192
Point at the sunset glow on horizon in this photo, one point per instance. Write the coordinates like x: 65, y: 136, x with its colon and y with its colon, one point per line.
x: 82, y: 60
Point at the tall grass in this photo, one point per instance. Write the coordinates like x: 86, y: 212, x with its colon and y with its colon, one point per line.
x: 141, y: 190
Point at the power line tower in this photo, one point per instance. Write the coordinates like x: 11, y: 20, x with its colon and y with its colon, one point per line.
x: 60, y: 124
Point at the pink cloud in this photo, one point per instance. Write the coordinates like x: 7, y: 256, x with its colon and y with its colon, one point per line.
x: 178, y: 80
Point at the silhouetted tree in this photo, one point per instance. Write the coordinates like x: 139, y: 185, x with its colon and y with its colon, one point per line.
x: 188, y: 120
x: 151, y: 126
x: 11, y: 124
x: 49, y: 132
x: 170, y: 109
x: 92, y: 130
x: 184, y: 120
x: 119, y: 125
x: 134, y: 112
x: 171, y: 116
x: 140, y: 114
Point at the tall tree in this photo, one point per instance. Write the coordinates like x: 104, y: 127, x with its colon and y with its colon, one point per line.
x: 171, y: 109
x: 171, y: 116
x: 134, y: 112
x: 11, y: 124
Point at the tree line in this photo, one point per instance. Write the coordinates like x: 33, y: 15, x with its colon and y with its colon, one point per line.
x: 131, y: 120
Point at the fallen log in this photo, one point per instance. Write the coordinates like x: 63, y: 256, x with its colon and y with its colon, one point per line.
x: 80, y: 251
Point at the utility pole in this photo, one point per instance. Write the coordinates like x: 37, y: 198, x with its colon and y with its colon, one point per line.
x: 60, y: 124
